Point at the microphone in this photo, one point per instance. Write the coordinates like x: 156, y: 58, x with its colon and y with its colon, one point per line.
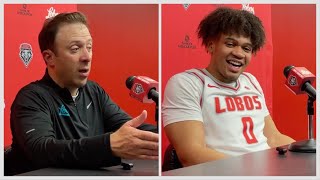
x: 143, y: 88
x: 299, y: 80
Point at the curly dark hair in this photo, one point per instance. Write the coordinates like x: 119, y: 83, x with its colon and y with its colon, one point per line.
x: 51, y: 26
x: 229, y: 21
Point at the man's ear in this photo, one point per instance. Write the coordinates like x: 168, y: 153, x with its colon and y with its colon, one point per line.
x: 210, y: 47
x: 48, y: 57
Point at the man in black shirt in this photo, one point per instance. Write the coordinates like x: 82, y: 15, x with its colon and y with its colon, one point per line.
x: 65, y: 120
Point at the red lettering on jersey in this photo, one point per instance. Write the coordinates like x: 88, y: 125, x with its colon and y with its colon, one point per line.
x: 239, y: 103
x: 248, y: 102
x: 230, y: 104
x: 256, y: 101
x: 218, y: 108
x: 248, y: 130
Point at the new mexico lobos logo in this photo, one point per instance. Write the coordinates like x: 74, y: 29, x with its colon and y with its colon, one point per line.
x: 25, y: 53
x: 292, y: 81
x: 138, y: 89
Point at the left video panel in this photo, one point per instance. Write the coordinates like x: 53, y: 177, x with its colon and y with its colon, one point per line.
x: 75, y: 89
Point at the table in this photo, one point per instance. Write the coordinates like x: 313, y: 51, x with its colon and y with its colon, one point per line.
x: 140, y: 168
x: 261, y: 163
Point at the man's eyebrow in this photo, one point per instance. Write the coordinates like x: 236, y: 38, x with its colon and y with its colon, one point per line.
x: 232, y: 39
x: 77, y: 41
x: 248, y: 44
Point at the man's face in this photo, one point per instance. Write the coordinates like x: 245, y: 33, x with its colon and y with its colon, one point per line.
x: 72, y: 58
x: 230, y: 55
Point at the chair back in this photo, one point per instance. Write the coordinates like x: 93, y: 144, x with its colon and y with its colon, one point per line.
x: 171, y: 160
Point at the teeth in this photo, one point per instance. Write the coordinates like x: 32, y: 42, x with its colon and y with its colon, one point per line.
x: 234, y: 63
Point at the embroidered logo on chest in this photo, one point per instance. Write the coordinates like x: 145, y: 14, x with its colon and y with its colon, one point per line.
x: 63, y: 111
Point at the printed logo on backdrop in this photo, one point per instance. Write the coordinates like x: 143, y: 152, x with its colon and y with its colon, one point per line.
x: 247, y: 7
x: 24, y: 11
x: 25, y: 54
x: 186, y: 43
x: 185, y: 6
x: 51, y: 13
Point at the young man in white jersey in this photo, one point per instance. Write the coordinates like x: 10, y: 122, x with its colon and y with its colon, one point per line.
x: 220, y: 111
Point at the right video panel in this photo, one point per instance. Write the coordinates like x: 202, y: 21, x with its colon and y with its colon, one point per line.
x: 238, y: 89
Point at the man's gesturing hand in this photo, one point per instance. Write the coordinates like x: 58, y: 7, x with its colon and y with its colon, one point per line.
x: 128, y: 142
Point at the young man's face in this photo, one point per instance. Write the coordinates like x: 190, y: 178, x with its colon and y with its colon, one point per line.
x: 230, y: 55
x: 72, y: 60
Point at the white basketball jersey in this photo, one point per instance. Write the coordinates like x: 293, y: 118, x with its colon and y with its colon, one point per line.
x: 233, y: 116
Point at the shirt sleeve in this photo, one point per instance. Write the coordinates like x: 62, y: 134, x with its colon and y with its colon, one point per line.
x: 182, y: 98
x: 34, y: 135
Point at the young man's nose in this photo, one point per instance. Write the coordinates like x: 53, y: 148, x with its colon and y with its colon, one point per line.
x: 238, y: 52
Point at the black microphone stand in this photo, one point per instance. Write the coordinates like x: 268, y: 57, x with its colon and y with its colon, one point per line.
x: 153, y: 94
x: 156, y: 115
x: 309, y: 145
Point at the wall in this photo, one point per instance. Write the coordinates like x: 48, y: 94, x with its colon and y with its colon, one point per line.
x: 125, y: 44
x: 294, y: 42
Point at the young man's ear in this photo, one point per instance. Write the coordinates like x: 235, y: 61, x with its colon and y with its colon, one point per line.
x: 48, y: 57
x: 210, y: 47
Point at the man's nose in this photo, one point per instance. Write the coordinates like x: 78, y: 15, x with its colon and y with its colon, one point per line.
x: 238, y: 52
x: 86, y: 55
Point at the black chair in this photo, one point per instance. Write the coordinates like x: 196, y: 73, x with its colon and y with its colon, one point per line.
x: 170, y: 160
x: 14, y: 163
x: 7, y: 169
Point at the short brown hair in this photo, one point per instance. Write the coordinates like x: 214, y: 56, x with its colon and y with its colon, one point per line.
x: 51, y: 26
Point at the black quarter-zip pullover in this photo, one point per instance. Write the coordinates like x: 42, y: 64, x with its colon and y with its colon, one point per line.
x: 50, y: 129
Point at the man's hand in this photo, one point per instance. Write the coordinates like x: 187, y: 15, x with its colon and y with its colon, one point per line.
x: 128, y: 142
